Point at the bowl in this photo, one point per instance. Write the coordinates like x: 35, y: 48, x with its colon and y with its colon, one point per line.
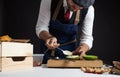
x: 37, y: 59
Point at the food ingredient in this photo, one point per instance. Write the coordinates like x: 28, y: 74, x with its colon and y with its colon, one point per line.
x: 73, y: 57
x: 5, y: 38
x: 90, y: 57
x: 95, y: 70
x: 66, y: 52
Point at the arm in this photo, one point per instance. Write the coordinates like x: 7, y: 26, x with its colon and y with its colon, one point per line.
x: 86, y: 37
x: 42, y: 29
x: 43, y: 18
x: 87, y: 28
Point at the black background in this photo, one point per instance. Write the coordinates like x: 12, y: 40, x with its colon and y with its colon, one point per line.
x: 18, y: 19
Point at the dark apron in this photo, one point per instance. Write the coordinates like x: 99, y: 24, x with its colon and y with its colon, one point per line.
x: 64, y: 33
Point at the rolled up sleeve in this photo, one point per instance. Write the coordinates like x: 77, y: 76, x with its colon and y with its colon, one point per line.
x: 44, y: 17
x: 87, y: 28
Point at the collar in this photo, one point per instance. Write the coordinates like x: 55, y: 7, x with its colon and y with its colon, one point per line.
x: 66, y: 7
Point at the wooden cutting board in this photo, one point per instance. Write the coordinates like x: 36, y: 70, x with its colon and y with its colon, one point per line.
x: 74, y: 63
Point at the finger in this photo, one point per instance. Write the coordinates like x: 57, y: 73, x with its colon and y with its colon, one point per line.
x: 56, y: 45
x: 118, y: 66
x: 116, y: 62
x: 114, y: 70
x: 76, y: 52
x: 47, y: 41
x: 49, y: 46
x: 52, y: 42
x: 82, y: 53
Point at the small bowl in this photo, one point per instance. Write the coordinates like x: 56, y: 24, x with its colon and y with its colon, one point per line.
x: 37, y: 59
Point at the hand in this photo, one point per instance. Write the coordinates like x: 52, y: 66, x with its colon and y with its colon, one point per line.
x: 81, y: 50
x: 116, y: 68
x: 51, y: 43
x: 117, y: 64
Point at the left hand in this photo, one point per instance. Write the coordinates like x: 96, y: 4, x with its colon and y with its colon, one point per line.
x: 81, y: 50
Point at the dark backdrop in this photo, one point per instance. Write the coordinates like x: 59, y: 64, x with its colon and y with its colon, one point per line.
x: 106, y: 30
x: 1, y: 12
x: 18, y: 19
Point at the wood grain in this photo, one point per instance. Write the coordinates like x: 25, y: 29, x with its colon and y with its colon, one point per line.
x: 74, y: 63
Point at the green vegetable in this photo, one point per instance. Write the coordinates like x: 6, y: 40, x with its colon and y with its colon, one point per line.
x: 73, y: 57
x: 90, y: 57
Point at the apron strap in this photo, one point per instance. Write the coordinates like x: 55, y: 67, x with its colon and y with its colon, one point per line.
x: 57, y: 10
x: 77, y: 17
x: 77, y: 20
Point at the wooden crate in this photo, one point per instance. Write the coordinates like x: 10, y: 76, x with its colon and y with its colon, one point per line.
x: 74, y: 63
x: 16, y: 56
x: 16, y: 63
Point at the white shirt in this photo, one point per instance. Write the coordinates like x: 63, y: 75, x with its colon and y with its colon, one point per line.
x: 44, y: 19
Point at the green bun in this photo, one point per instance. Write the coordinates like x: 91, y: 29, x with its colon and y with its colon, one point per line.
x: 73, y: 57
x: 90, y: 57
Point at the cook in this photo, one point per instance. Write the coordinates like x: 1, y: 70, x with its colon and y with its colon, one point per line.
x: 69, y: 27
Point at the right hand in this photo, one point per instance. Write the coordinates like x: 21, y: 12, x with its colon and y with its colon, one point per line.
x: 116, y: 68
x: 116, y: 64
x: 51, y: 43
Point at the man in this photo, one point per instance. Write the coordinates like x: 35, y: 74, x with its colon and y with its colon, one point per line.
x: 56, y: 30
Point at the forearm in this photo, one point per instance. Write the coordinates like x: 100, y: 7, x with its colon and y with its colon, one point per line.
x: 44, y: 35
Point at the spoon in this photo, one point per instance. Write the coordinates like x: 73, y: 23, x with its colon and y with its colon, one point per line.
x: 66, y: 52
